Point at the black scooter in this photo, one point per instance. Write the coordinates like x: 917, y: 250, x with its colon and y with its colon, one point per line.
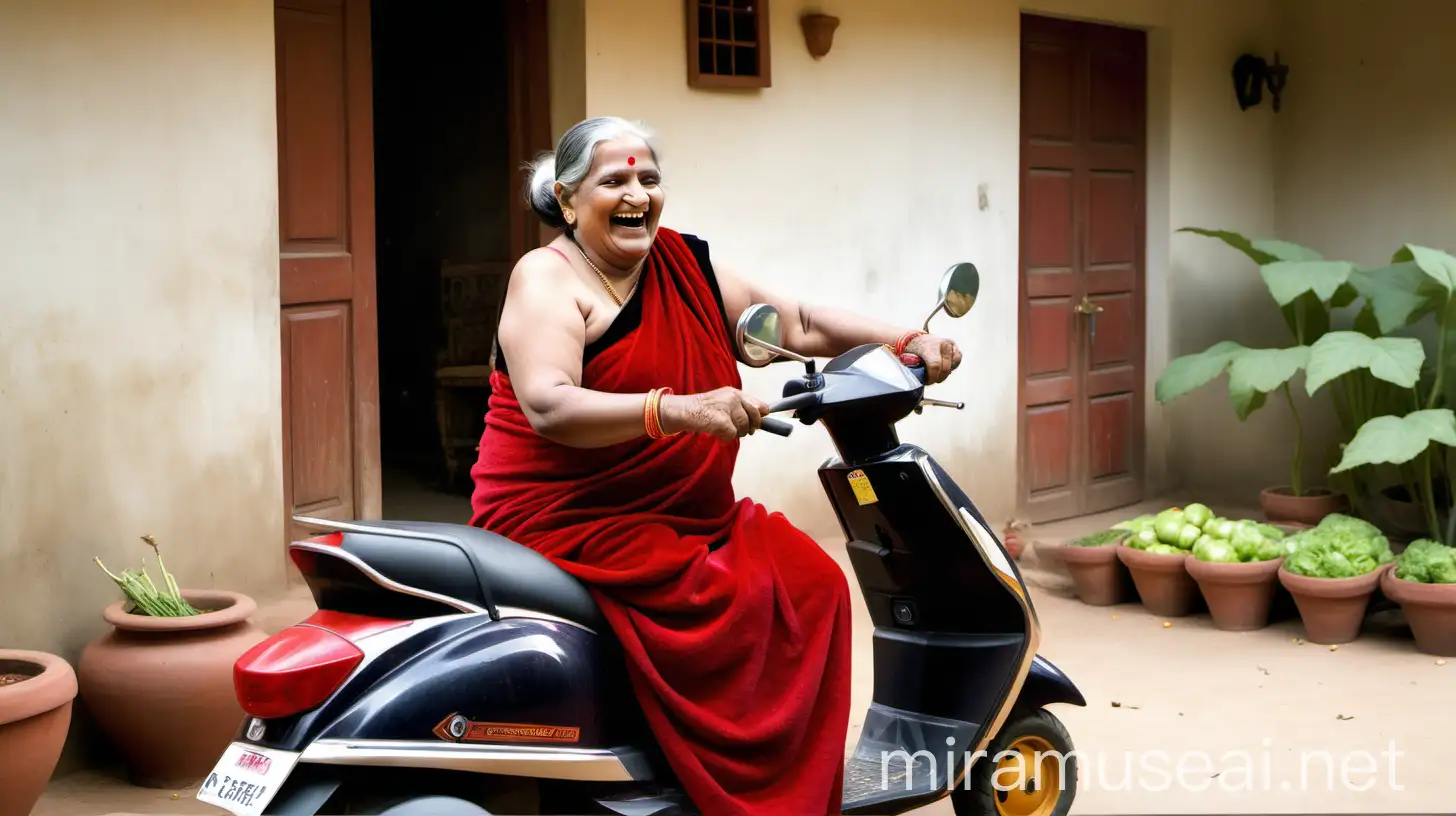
x: 450, y: 671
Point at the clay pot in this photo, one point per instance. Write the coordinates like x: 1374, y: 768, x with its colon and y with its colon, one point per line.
x: 1281, y: 505
x: 1238, y: 595
x: 1099, y: 577
x: 1012, y: 540
x: 162, y: 688
x: 1430, y: 609
x: 1162, y: 581
x: 35, y: 715
x: 1332, y: 609
x: 1401, y: 517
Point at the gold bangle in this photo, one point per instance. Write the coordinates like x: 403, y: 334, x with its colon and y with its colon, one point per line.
x: 652, y: 414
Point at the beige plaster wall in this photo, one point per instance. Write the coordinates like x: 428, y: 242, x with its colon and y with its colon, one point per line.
x: 856, y: 180
x: 139, y: 360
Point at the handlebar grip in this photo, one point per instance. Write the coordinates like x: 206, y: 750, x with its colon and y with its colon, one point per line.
x: 777, y: 426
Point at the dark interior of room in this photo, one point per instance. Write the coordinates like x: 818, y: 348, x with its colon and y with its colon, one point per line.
x: 441, y: 191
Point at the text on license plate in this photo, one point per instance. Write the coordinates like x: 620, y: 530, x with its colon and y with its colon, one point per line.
x: 246, y: 778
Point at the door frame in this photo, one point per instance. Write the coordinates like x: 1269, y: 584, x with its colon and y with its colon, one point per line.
x: 1138, y: 421
x: 529, y: 132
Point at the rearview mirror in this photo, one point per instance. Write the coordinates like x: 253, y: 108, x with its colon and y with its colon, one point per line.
x: 959, y: 287
x: 759, y: 335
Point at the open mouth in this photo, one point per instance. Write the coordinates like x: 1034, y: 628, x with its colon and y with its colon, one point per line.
x: 630, y: 220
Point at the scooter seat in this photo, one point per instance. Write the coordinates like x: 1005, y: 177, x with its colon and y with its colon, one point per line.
x: 473, y: 565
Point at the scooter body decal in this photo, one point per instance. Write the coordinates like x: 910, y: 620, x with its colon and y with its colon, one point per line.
x: 864, y: 492
x: 456, y: 728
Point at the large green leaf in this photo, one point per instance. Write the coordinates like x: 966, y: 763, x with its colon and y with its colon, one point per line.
x: 1286, y: 251
x: 1260, y: 251
x: 1288, y: 280
x: 1397, y: 440
x: 1395, y: 294
x: 1193, y: 371
x: 1256, y: 372
x: 1307, y: 317
x: 1438, y: 265
x: 1393, y: 359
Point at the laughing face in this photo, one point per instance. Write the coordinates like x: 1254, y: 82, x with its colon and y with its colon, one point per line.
x: 618, y: 204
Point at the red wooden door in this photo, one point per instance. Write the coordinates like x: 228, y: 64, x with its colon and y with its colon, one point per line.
x: 326, y: 260
x: 1083, y: 180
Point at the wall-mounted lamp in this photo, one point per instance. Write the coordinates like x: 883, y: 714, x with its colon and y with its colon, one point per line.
x: 1251, y: 75
x: 818, y: 33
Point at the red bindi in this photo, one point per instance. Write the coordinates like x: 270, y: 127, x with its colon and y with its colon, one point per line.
x: 631, y: 160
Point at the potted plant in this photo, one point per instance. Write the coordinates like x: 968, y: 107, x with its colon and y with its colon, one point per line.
x: 1332, y: 570
x: 1235, y: 564
x: 36, y: 693
x: 1155, y: 553
x: 1306, y: 288
x: 1098, y: 577
x: 1423, y: 582
x: 160, y: 683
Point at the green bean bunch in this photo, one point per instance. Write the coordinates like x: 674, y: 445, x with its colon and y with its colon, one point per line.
x: 144, y: 595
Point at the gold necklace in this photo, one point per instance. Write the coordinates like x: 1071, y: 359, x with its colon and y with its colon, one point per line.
x: 611, y: 290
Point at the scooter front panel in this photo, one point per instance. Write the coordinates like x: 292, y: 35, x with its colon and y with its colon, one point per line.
x: 916, y: 565
x: 955, y: 631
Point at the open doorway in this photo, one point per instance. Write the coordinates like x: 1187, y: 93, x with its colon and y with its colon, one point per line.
x: 444, y: 185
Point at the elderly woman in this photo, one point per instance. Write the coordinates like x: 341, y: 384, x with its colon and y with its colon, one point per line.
x: 609, y: 447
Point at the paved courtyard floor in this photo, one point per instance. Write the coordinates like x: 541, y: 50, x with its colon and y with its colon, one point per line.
x: 1180, y: 719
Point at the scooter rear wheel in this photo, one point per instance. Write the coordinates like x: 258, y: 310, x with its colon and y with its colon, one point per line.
x: 1029, y: 769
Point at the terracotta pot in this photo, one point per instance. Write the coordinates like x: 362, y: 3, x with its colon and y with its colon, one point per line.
x: 35, y: 715
x: 1430, y: 609
x: 1099, y: 577
x: 1162, y: 581
x: 1332, y: 609
x: 1404, y: 518
x: 1281, y: 505
x: 1239, y: 595
x: 162, y: 688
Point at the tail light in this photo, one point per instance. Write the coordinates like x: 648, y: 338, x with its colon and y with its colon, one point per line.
x: 298, y: 668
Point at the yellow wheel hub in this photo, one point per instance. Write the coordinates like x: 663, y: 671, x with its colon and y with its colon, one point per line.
x: 1027, y: 780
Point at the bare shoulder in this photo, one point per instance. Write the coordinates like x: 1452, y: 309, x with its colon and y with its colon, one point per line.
x: 543, y: 269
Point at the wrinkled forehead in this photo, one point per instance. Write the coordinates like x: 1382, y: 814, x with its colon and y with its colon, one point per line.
x: 628, y: 153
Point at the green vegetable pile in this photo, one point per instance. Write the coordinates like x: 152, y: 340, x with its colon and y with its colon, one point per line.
x: 1098, y: 539
x: 145, y: 597
x: 1340, y: 547
x: 1195, y: 529
x: 1427, y: 562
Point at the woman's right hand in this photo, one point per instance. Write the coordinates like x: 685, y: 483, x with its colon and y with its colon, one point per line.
x: 726, y: 413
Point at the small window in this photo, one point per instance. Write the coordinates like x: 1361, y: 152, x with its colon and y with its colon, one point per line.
x: 728, y: 43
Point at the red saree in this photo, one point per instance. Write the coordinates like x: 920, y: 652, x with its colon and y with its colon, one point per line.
x: 739, y: 653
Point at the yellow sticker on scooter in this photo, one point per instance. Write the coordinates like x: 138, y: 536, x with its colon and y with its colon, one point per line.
x: 864, y: 493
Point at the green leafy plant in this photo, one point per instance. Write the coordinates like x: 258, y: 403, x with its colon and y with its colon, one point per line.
x: 1306, y: 288
x: 1340, y: 546
x: 1427, y: 562
x: 1098, y: 539
x: 146, y: 598
x: 1415, y: 430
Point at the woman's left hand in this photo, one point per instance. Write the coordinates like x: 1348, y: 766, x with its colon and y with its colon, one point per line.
x: 940, y: 355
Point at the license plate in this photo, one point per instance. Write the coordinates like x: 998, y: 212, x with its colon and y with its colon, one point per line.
x: 246, y: 779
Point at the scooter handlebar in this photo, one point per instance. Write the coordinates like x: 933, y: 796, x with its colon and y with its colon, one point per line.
x: 776, y: 426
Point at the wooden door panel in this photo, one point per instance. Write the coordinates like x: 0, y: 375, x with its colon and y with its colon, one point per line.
x: 1111, y: 236
x: 317, y: 347
x: 313, y: 174
x: 1112, y: 343
x: 1051, y: 333
x: 1049, y: 202
x: 1049, y: 464
x: 326, y: 260
x: 1081, y: 243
